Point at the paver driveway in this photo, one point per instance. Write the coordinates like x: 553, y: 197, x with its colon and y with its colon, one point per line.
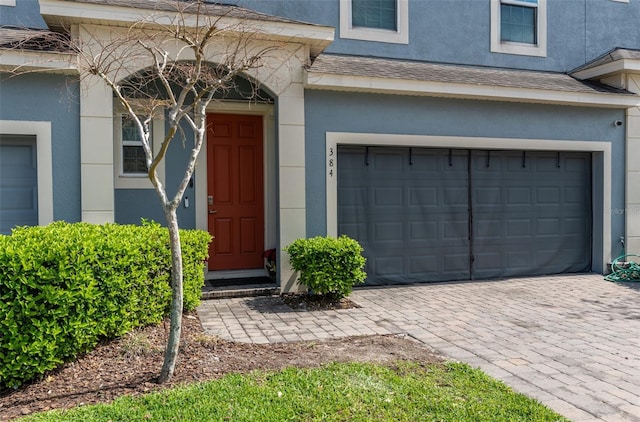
x: 572, y: 342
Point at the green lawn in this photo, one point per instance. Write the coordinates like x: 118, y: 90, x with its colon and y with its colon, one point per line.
x: 337, y: 392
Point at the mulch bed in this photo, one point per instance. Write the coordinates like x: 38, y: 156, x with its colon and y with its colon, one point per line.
x: 130, y: 365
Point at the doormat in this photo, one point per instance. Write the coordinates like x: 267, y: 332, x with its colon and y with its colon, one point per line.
x: 244, y: 281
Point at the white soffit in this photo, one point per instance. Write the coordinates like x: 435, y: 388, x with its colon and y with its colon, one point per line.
x: 22, y: 61
x: 609, y: 69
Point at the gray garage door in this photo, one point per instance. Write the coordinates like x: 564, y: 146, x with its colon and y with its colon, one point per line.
x: 18, y: 182
x: 438, y: 215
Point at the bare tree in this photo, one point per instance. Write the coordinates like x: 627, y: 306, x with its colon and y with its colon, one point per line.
x: 174, y: 61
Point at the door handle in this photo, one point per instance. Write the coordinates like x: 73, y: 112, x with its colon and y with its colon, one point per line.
x: 213, y: 211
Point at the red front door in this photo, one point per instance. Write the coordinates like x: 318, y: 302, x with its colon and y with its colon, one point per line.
x: 235, y: 191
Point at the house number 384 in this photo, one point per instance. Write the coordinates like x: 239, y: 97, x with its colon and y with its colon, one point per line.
x: 331, y: 161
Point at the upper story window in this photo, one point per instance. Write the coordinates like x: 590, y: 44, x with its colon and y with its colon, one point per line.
x: 375, y: 20
x: 519, y: 27
x: 381, y: 14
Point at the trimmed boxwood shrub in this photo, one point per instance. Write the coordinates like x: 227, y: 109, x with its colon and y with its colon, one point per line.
x: 328, y: 265
x: 63, y: 287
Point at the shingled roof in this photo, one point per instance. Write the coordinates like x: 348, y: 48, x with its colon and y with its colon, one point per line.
x: 32, y: 39
x: 459, y: 74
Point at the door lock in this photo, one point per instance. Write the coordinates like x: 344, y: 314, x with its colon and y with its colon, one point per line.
x: 210, y: 199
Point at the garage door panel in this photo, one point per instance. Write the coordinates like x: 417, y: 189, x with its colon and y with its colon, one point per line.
x: 487, y: 228
x: 388, y: 197
x: 518, y: 227
x: 554, y: 230
x: 388, y: 232
x: 423, y: 197
x: 409, y: 207
x: 417, y: 212
x: 423, y: 266
x: 423, y: 231
x: 18, y: 182
x: 387, y: 160
x: 519, y: 195
x: 548, y: 195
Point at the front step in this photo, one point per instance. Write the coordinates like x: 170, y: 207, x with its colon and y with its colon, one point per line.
x: 251, y: 290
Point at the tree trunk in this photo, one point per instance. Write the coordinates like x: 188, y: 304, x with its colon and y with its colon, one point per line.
x: 173, y: 344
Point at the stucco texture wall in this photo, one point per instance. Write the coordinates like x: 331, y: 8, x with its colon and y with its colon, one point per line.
x: 133, y: 204
x: 458, y: 31
x: 55, y: 99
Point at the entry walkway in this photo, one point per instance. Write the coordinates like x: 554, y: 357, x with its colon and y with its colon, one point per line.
x: 572, y: 342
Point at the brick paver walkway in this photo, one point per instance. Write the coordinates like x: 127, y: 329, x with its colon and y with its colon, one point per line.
x: 572, y: 342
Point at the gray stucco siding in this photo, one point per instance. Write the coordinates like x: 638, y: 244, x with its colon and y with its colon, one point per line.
x: 459, y: 31
x: 52, y: 98
x: 390, y: 114
x: 25, y: 14
x: 133, y: 204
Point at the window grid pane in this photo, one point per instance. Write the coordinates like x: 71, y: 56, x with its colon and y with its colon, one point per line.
x: 134, y: 160
x: 381, y: 14
x: 518, y: 24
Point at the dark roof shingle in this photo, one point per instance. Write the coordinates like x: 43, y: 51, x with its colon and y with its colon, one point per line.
x: 449, y: 73
x: 33, y: 39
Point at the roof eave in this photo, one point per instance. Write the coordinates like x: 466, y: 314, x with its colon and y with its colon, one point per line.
x: 19, y: 61
x: 336, y: 82
x: 609, y: 69
x: 60, y: 13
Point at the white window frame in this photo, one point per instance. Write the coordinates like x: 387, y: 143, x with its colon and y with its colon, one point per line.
x: 523, y: 49
x: 124, y: 180
x: 7, y: 2
x: 399, y: 36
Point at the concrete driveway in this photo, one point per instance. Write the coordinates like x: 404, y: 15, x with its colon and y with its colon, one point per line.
x: 572, y: 342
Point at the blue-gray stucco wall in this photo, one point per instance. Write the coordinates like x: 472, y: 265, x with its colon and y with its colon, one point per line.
x: 133, y: 204
x: 25, y: 14
x: 458, y: 31
x: 55, y: 99
x: 328, y: 111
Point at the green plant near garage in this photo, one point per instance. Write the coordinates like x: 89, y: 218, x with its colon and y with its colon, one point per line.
x: 328, y: 265
x: 65, y: 286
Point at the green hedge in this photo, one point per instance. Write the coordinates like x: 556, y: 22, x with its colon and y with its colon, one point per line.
x: 328, y: 265
x: 64, y: 287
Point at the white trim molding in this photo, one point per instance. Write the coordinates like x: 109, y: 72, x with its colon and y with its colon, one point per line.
x: 334, y: 82
x: 24, y: 61
x: 334, y: 139
x: 399, y: 36
x: 7, y: 2
x: 616, y: 67
x: 537, y: 50
x: 42, y: 132
x: 317, y: 37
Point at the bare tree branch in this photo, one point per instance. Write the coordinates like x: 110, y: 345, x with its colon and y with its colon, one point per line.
x: 175, y: 63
